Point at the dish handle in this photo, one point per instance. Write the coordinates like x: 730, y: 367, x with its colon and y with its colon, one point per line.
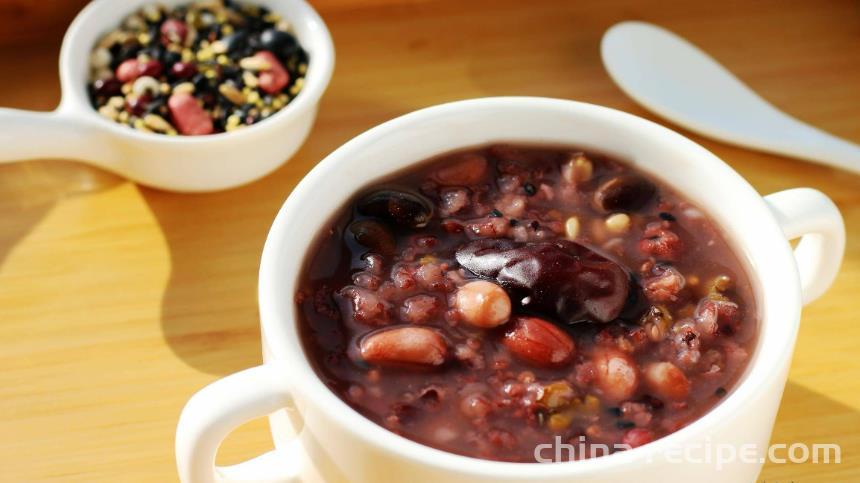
x: 810, y: 215
x: 218, y: 409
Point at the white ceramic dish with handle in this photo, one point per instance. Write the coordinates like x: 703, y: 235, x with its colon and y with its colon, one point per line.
x: 343, y: 445
x: 178, y: 163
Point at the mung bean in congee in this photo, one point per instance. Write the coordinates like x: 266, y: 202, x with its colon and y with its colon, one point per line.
x: 493, y: 299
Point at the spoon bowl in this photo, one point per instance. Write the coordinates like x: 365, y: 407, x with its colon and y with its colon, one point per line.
x: 677, y: 80
x: 177, y: 163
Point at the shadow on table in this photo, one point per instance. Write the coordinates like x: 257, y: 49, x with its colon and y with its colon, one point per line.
x: 29, y: 190
x: 209, y: 313
x: 810, y: 417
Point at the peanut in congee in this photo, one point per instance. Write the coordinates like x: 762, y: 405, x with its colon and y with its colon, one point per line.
x: 496, y: 298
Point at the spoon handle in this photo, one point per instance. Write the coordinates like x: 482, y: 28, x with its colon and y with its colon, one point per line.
x: 796, y: 139
x: 675, y: 79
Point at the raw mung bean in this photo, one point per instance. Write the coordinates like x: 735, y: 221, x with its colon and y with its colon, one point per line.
x: 208, y: 50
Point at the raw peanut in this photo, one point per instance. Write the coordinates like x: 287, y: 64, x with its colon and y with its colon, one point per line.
x: 128, y: 71
x: 539, y: 342
x: 275, y: 78
x: 468, y: 169
x: 666, y: 381
x: 404, y: 345
x: 188, y: 116
x: 615, y: 375
x: 483, y: 304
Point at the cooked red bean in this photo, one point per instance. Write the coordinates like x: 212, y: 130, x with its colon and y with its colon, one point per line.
x: 661, y: 242
x: 664, y: 285
x: 494, y: 298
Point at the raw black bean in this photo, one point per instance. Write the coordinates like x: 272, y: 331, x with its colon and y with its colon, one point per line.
x: 279, y: 43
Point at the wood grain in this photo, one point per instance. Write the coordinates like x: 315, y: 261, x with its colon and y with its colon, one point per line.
x: 118, y: 302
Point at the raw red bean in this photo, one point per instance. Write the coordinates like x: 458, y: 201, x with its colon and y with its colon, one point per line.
x: 150, y: 68
x: 173, y: 31
x: 404, y: 345
x: 615, y: 375
x: 183, y: 70
x: 275, y: 77
x: 539, y: 342
x: 666, y: 381
x: 211, y: 44
x: 107, y: 87
x: 188, y: 116
x: 136, y: 106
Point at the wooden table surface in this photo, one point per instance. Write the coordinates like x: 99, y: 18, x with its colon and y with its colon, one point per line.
x: 118, y: 302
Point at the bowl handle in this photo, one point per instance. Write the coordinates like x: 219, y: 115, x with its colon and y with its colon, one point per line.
x: 810, y: 215
x: 59, y: 134
x: 219, y: 408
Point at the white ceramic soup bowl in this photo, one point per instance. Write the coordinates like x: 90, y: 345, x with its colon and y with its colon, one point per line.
x: 344, y: 446
x: 178, y: 163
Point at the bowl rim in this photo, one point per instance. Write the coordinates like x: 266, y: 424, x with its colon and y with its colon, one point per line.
x: 281, y: 339
x: 308, y: 27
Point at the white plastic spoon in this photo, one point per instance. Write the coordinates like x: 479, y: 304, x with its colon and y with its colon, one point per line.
x: 675, y: 79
